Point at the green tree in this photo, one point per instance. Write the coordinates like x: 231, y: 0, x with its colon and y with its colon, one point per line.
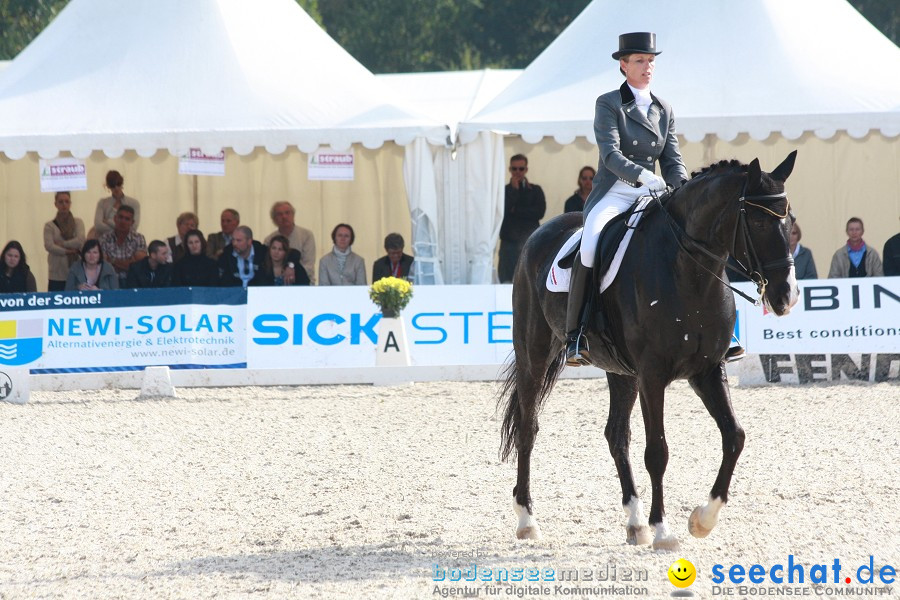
x: 883, y: 14
x: 22, y: 20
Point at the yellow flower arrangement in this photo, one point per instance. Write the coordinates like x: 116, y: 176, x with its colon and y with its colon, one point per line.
x: 391, y: 295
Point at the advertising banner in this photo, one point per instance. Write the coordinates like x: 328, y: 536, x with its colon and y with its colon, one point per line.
x: 327, y: 165
x: 338, y: 326
x: 195, y: 162
x: 62, y: 174
x: 124, y: 328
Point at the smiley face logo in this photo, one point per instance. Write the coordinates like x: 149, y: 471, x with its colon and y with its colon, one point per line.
x: 682, y: 573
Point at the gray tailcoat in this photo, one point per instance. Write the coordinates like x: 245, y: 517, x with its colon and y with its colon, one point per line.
x: 629, y: 142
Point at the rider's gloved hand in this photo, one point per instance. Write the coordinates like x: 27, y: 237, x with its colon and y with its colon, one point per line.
x: 652, y: 181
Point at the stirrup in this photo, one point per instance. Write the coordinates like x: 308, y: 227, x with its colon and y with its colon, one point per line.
x: 734, y: 354
x: 577, y: 350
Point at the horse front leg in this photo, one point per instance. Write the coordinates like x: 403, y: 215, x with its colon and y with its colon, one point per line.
x: 623, y: 392
x: 656, y: 457
x: 712, y: 388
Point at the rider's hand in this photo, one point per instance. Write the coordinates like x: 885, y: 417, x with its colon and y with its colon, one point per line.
x: 652, y: 181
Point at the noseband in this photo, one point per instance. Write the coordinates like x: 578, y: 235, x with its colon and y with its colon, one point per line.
x: 754, y: 268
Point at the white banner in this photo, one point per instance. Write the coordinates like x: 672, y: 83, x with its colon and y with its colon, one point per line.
x: 123, y: 329
x: 338, y: 326
x: 62, y: 174
x: 195, y: 162
x: 327, y: 165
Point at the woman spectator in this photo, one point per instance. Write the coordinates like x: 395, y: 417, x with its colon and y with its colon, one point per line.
x: 342, y: 266
x: 15, y: 276
x: 804, y: 266
x: 63, y: 239
x: 195, y: 268
x: 283, y: 263
x: 576, y: 201
x: 92, y: 272
x: 105, y: 215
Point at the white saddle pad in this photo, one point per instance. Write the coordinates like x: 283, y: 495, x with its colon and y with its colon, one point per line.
x: 558, y: 278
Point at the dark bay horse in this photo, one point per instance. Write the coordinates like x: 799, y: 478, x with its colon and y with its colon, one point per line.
x: 670, y: 316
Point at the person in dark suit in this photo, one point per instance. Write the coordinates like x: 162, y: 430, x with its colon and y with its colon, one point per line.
x: 216, y: 242
x: 524, y: 207
x: 195, y: 268
x: 152, y: 271
x: 243, y: 261
x: 396, y: 263
x: 635, y: 129
x: 576, y: 201
x: 891, y: 256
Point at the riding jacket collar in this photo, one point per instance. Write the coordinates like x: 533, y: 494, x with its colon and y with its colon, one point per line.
x: 651, y: 121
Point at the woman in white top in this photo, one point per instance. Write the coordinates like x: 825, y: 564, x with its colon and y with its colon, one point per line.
x: 342, y: 266
x: 104, y: 217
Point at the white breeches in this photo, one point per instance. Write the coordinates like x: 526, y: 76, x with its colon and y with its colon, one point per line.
x: 616, y: 201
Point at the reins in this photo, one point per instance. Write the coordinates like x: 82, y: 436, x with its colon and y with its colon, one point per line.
x: 753, y: 270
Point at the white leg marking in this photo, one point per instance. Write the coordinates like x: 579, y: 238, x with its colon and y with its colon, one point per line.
x: 664, y: 539
x: 705, y: 517
x: 636, y: 531
x: 528, y: 528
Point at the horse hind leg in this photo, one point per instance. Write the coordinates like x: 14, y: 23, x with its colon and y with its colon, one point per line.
x: 622, y: 396
x: 656, y: 457
x: 712, y: 388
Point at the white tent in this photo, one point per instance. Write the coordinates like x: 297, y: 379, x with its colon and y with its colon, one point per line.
x: 755, y: 78
x: 116, y: 83
x: 167, y: 74
x: 756, y: 66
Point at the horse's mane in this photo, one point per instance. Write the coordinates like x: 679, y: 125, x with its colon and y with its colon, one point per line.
x: 733, y: 165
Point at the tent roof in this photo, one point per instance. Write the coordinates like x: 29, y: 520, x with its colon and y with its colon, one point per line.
x: 755, y: 66
x: 154, y: 74
x: 450, y: 96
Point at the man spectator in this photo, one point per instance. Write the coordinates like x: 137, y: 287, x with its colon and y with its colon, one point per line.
x: 301, y: 239
x: 524, y: 208
x: 123, y: 246
x: 855, y: 258
x: 152, y: 271
x: 186, y: 221
x: 892, y: 256
x: 242, y: 261
x: 396, y: 263
x: 216, y: 242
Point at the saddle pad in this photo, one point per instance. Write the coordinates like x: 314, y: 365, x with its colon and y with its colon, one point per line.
x: 558, y: 278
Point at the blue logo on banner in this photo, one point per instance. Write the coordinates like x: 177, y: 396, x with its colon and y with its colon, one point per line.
x: 20, y: 341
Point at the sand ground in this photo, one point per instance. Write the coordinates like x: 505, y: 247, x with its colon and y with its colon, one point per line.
x: 359, y: 491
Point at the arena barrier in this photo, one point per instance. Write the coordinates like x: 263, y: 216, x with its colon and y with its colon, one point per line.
x: 840, y: 329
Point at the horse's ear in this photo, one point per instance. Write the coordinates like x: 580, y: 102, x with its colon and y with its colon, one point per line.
x: 754, y: 174
x: 783, y: 171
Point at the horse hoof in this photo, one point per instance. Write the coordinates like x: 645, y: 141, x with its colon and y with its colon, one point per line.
x: 668, y: 544
x: 532, y: 532
x: 638, y: 536
x: 695, y: 527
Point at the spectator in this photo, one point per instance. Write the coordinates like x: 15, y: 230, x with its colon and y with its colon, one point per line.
x: 186, y: 221
x: 15, y: 276
x: 301, y: 239
x: 585, y: 184
x: 524, y: 208
x: 108, y: 208
x: 216, y: 242
x: 855, y: 259
x: 152, y: 271
x: 396, y: 263
x: 63, y: 239
x: 123, y: 246
x: 804, y: 265
x: 892, y: 256
x: 91, y: 272
x: 242, y: 262
x: 283, y: 263
x: 195, y: 268
x: 342, y: 266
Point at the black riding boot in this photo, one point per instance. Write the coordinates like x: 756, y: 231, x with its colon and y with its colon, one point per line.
x: 577, y: 351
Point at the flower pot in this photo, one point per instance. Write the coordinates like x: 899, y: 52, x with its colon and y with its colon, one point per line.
x: 387, y: 313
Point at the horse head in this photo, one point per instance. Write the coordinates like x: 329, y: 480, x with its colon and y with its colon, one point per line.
x: 762, y: 240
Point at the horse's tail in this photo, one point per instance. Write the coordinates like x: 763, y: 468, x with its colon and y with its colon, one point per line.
x: 512, y: 412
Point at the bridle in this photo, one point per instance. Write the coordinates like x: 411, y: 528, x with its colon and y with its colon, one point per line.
x: 754, y: 268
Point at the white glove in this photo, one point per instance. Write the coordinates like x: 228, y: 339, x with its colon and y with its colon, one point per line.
x: 652, y: 181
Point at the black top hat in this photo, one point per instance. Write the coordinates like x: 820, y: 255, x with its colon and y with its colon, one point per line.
x: 641, y: 42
